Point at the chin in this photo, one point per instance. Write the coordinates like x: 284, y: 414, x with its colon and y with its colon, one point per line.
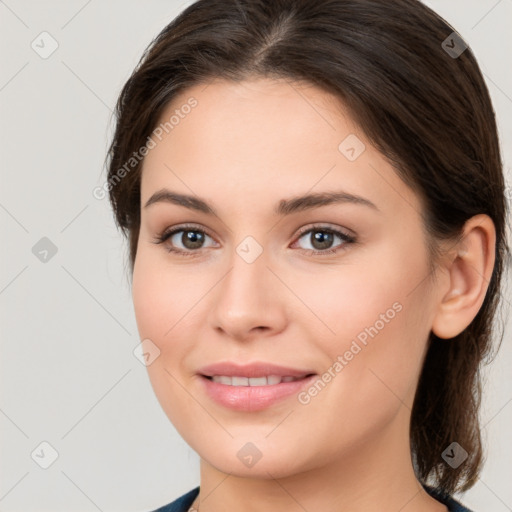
x: 257, y: 460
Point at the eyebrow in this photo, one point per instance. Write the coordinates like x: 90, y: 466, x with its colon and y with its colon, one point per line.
x: 284, y: 207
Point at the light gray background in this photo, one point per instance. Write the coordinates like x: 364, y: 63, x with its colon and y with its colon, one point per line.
x: 68, y: 373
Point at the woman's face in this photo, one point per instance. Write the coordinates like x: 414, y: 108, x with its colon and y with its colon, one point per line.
x: 252, y: 290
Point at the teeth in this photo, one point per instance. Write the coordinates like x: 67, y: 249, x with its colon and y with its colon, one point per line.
x: 271, y: 380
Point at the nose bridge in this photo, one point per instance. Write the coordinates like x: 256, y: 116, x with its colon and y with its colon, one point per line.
x: 246, y: 282
x: 244, y: 299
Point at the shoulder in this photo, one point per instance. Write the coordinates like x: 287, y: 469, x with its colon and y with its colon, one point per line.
x: 445, y: 499
x: 181, y: 504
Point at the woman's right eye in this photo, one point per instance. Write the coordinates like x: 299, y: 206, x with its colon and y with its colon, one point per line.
x: 192, y: 240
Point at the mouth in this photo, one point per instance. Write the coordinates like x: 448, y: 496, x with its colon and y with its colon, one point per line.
x: 251, y: 394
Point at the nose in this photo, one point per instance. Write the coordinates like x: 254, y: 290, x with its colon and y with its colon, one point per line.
x: 248, y: 300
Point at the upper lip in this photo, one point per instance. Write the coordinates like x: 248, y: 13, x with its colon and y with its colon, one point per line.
x: 257, y: 369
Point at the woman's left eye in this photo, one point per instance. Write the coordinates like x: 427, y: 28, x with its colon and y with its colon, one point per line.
x: 192, y: 239
x: 323, y: 237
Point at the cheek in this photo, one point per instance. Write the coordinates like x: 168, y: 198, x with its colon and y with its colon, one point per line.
x: 376, y: 317
x: 167, y: 300
x: 161, y: 305
x: 352, y: 300
x: 154, y: 299
x: 152, y: 294
x: 368, y: 281
x: 371, y: 367
x: 147, y: 301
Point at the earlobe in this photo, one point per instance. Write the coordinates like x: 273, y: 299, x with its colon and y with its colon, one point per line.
x: 469, y: 274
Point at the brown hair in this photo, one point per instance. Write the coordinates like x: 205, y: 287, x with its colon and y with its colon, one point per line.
x: 425, y: 110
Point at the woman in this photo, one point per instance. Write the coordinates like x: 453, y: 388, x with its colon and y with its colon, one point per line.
x: 314, y: 200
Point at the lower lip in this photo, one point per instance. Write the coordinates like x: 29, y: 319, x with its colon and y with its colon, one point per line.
x: 253, y: 398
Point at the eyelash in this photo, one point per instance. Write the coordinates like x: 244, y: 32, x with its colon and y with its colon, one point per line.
x: 165, y: 235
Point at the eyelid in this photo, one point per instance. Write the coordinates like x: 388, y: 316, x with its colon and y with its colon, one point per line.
x: 185, y: 227
x: 325, y: 226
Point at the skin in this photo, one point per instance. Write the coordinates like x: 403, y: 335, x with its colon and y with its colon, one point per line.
x: 243, y: 148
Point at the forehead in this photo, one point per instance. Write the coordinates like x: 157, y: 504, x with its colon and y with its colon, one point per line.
x: 266, y: 139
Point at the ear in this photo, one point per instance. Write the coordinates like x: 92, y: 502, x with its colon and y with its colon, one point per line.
x: 468, y: 274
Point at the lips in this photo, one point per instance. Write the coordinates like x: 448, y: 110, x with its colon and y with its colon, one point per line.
x: 252, y: 398
x: 253, y: 370
x: 252, y: 387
